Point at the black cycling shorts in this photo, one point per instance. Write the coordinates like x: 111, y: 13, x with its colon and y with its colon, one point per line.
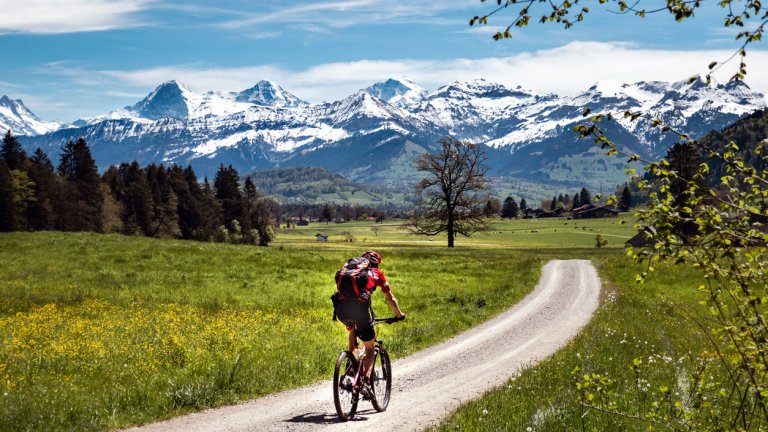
x: 354, y: 314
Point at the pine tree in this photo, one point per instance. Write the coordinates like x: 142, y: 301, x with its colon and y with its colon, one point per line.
x: 7, y: 207
x: 626, y: 199
x: 137, y: 200
x: 509, y: 209
x: 79, y: 204
x: 42, y: 174
x: 12, y: 152
x: 577, y: 201
x: 523, y: 204
x: 585, y: 197
x: 227, y: 187
x: 553, y: 204
x: 211, y: 211
x: 492, y: 207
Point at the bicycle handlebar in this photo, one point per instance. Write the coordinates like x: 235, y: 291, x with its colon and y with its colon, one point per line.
x: 389, y: 320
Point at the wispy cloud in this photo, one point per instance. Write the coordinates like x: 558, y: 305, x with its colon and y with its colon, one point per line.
x: 69, y: 16
x: 347, y: 13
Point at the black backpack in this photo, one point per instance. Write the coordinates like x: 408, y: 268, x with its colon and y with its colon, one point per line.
x: 351, y: 283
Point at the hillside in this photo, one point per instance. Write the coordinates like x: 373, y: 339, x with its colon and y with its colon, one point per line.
x: 312, y: 184
x: 746, y: 133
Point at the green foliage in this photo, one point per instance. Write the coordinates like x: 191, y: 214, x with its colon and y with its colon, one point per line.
x: 600, y: 241
x: 717, y: 226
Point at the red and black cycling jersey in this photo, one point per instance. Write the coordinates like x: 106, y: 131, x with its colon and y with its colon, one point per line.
x: 376, y: 278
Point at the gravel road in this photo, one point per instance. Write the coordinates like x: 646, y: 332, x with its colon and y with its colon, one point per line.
x: 430, y: 384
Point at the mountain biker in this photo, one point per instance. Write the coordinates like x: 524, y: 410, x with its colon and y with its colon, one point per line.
x: 362, y: 317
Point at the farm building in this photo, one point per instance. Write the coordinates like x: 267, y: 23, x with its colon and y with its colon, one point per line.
x: 589, y: 211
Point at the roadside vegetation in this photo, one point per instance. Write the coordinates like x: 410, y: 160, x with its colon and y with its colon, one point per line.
x: 636, y: 329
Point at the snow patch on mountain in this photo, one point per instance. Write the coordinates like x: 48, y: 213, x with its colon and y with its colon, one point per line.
x: 17, y: 118
x: 402, y: 93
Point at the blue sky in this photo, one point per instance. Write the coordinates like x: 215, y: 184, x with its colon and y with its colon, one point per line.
x: 69, y: 59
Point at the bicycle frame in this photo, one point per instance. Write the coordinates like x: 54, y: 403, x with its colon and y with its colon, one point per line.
x: 352, y: 390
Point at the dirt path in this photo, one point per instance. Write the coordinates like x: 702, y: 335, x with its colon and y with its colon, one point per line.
x: 427, y: 386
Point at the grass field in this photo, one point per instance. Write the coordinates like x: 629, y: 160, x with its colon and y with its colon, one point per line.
x: 548, y: 233
x: 104, y: 331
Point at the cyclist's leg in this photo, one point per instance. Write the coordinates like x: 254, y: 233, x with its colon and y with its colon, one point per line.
x: 367, y: 334
x: 352, y: 340
x: 369, y: 356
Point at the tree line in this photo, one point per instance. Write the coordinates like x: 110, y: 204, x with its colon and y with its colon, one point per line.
x: 154, y: 201
x: 511, y: 209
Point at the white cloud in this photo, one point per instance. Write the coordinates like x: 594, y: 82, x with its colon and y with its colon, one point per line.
x: 565, y: 70
x: 68, y: 16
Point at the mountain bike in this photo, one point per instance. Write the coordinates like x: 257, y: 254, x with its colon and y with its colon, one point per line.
x: 348, y: 378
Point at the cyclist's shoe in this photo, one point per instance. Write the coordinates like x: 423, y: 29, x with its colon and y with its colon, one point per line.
x: 366, y: 390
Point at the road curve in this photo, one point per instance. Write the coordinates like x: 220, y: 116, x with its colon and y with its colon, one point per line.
x: 430, y: 384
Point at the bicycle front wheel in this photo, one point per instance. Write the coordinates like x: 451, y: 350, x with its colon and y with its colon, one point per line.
x: 345, y: 396
x: 381, y: 380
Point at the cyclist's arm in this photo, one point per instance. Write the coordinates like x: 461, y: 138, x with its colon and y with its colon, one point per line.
x: 392, y: 301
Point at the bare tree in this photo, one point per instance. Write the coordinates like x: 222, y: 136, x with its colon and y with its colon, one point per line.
x: 449, y: 197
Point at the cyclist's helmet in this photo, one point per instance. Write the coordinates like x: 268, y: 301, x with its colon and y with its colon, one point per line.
x: 373, y: 257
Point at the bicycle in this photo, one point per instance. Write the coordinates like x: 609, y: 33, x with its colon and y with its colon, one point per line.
x: 348, y: 378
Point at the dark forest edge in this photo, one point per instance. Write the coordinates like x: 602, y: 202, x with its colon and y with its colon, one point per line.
x: 153, y: 201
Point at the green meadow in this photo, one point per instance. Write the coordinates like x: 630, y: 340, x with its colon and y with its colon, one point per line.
x: 105, y: 331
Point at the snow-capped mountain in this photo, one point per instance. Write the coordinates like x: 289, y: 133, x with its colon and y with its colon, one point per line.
x: 376, y: 133
x: 267, y: 93
x: 17, y: 118
x: 401, y: 93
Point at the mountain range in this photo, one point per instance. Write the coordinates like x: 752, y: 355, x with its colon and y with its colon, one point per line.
x: 373, y: 135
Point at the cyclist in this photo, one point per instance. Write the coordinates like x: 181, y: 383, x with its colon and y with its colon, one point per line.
x: 360, y: 315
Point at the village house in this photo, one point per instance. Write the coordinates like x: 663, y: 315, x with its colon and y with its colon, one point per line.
x: 589, y: 211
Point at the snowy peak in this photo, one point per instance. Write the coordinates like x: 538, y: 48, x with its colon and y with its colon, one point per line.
x: 17, y: 118
x: 169, y: 99
x: 401, y: 93
x: 267, y: 93
x: 688, y: 97
x: 361, y: 105
x: 481, y: 88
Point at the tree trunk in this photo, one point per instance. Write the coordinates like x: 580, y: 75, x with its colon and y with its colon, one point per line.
x: 450, y: 231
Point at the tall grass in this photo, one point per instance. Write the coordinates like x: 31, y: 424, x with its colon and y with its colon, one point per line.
x: 105, y: 331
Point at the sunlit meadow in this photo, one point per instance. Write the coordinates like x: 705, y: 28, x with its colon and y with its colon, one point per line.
x: 105, y: 331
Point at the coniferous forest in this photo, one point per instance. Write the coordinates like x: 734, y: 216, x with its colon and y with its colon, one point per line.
x: 153, y: 201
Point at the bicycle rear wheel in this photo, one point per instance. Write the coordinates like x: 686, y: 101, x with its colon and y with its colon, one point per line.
x: 345, y: 397
x: 381, y: 380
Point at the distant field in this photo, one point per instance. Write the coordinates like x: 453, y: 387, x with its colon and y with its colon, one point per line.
x: 520, y: 233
